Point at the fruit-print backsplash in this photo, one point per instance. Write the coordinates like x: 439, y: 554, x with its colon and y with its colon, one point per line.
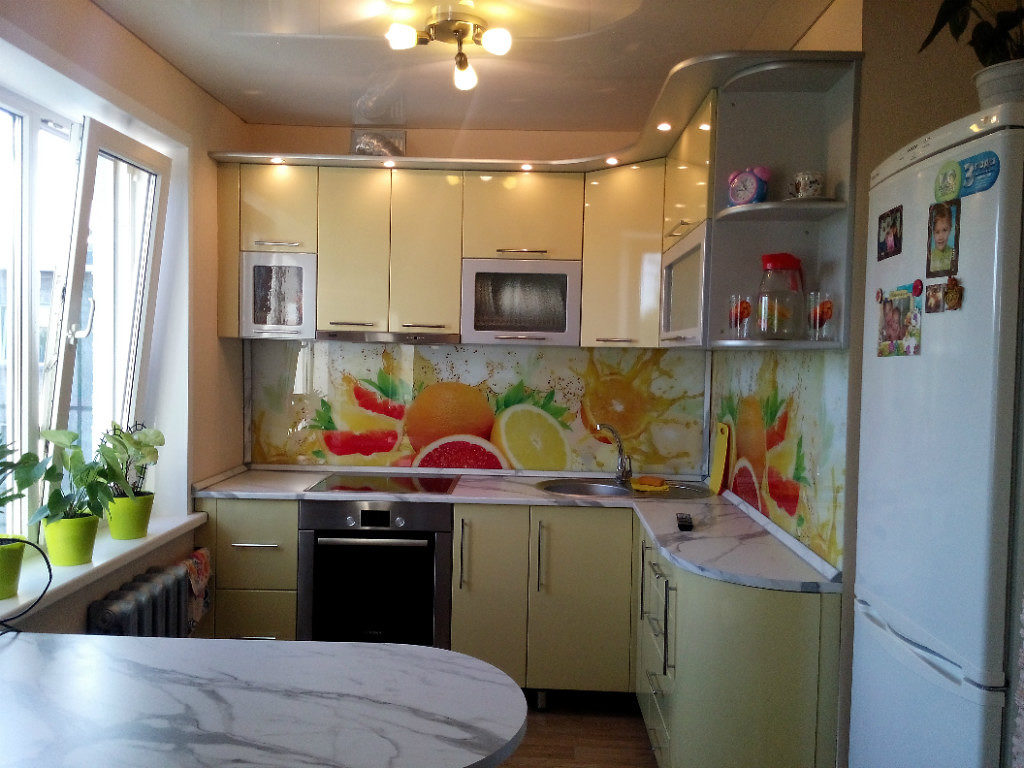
x: 787, y: 413
x: 480, y: 407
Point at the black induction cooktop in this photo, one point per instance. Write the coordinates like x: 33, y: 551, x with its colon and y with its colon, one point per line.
x: 345, y: 483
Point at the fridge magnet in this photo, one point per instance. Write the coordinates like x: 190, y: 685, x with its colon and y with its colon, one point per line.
x: 953, y: 294
x: 966, y: 177
x: 943, y: 238
x: 899, y: 323
x: 890, y: 233
x: 934, y: 301
x: 948, y: 181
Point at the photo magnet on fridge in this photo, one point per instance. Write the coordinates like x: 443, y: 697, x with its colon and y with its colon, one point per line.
x: 933, y: 301
x: 899, y: 322
x: 890, y: 233
x: 943, y: 238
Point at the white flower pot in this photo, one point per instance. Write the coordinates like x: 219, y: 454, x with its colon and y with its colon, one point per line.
x: 1000, y: 83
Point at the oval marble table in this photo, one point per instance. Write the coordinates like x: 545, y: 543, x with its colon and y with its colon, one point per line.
x: 73, y: 701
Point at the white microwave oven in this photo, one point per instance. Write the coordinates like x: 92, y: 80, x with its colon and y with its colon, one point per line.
x: 521, y: 301
x: 682, y: 290
x: 277, y: 298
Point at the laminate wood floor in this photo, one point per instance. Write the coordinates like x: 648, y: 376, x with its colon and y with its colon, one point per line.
x: 584, y: 730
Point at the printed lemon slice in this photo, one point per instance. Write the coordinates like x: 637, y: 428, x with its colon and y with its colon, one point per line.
x: 531, y: 438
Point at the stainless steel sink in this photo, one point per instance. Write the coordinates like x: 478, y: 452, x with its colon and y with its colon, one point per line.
x: 587, y: 486
x: 584, y: 487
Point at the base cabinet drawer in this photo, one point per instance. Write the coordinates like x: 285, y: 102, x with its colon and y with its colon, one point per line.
x: 254, y: 614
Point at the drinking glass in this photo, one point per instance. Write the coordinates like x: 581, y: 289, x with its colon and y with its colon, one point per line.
x: 820, y: 316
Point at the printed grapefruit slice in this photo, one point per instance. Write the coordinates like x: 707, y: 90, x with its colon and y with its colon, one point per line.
x: 744, y: 484
x: 783, y: 491
x: 461, y: 452
x: 531, y: 438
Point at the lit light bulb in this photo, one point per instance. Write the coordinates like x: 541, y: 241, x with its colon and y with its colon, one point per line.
x: 401, y: 36
x: 465, y: 79
x: 497, y: 41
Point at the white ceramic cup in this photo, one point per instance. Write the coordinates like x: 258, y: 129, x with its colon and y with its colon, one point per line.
x: 807, y: 184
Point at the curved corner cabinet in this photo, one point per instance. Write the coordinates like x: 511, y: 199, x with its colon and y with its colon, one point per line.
x: 730, y: 675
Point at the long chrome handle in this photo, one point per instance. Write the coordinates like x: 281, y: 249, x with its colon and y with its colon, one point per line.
x: 520, y: 336
x: 279, y: 331
x: 540, y: 531
x: 681, y: 337
x: 254, y: 546
x: 677, y: 229
x: 423, y: 325
x: 338, y: 541
x: 615, y: 340
x: 520, y: 250
x: 256, y: 637
x: 656, y: 570
x: 285, y: 243
x: 652, y: 682
x: 462, y: 553
x: 346, y: 322
x: 664, y: 638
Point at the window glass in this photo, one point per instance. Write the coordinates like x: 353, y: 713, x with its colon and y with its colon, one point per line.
x: 10, y: 236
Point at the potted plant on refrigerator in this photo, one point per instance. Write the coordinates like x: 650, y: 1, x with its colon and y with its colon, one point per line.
x: 998, y: 41
x: 25, y: 471
x: 79, y: 492
x: 133, y: 450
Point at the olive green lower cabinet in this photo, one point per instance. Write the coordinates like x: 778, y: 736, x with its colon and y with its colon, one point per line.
x: 543, y: 593
x: 729, y: 675
x: 254, y: 544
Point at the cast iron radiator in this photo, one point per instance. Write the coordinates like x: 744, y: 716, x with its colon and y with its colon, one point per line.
x: 162, y: 602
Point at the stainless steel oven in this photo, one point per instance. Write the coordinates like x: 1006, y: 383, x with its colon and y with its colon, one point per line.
x: 375, y: 571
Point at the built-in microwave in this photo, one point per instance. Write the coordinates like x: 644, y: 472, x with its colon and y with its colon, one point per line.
x: 521, y: 301
x: 682, y: 290
x: 277, y: 298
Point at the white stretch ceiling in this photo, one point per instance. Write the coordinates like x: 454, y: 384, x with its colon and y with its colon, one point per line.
x: 594, y: 65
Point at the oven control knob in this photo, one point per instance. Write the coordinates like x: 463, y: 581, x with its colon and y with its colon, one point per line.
x: 350, y: 521
x: 399, y: 521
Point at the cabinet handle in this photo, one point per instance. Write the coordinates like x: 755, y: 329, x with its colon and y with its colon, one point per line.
x: 664, y: 638
x: 540, y: 531
x: 656, y: 570
x: 652, y: 683
x: 286, y: 243
x: 520, y: 250
x: 681, y: 337
x: 254, y: 546
x: 345, y: 322
x: 614, y: 340
x: 676, y: 230
x: 256, y: 637
x: 422, y: 325
x: 520, y: 336
x: 644, y: 546
x: 462, y: 552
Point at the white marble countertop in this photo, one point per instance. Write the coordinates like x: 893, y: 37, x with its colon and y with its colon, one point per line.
x: 136, y: 702
x: 726, y: 543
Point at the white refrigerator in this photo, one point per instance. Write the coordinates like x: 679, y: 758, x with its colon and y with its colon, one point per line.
x: 940, y: 431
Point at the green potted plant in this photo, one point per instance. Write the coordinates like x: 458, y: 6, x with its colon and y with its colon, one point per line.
x: 133, y: 451
x: 12, y: 552
x: 79, y: 492
x: 998, y: 41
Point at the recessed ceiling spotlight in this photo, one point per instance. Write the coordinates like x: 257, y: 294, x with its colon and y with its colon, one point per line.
x: 705, y: 126
x: 277, y: 160
x: 612, y: 161
x: 526, y: 167
x: 389, y: 163
x: 664, y: 127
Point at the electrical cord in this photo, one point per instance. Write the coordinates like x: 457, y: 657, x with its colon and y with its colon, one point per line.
x: 5, y: 627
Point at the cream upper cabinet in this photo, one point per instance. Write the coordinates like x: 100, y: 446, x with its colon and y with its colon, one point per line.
x: 523, y: 215
x: 579, y: 598
x: 687, y: 172
x: 489, y: 576
x: 277, y: 208
x: 426, y: 251
x: 352, y: 263
x: 622, y: 256
x: 228, y: 259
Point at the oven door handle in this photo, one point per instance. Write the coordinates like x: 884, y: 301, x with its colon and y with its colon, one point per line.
x: 336, y: 541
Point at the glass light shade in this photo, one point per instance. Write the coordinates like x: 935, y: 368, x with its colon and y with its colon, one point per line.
x: 465, y: 79
x: 497, y: 41
x: 401, y: 36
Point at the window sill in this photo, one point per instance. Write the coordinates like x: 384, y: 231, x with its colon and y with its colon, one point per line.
x: 109, y: 555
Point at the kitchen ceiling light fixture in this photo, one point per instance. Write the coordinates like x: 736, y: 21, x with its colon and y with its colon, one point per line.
x: 450, y: 25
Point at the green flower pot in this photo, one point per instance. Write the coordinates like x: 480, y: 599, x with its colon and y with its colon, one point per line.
x: 129, y: 518
x: 70, y: 541
x: 10, y: 568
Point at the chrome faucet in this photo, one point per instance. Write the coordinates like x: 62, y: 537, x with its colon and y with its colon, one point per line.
x: 624, y: 467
